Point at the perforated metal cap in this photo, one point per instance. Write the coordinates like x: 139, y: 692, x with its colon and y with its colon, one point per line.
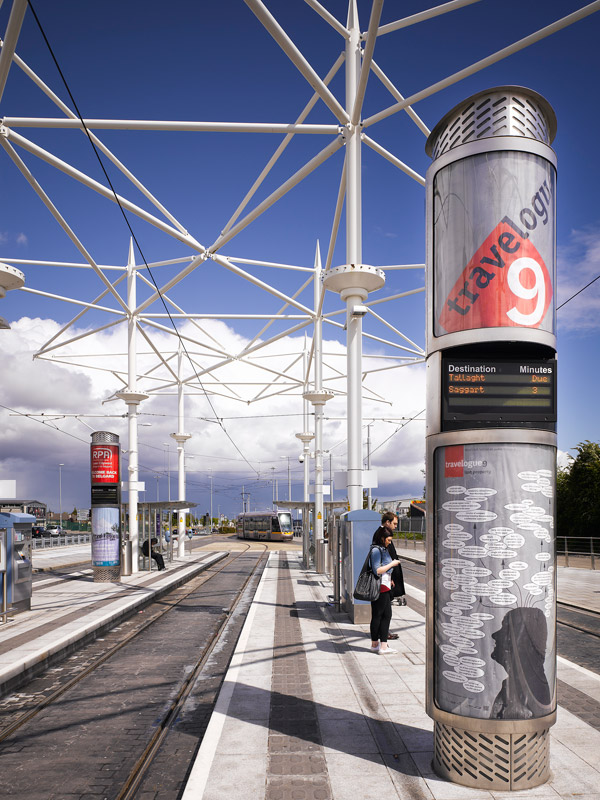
x: 501, y: 111
x: 104, y: 437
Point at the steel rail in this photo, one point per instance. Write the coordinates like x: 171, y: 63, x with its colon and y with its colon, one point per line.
x: 588, y: 611
x: 137, y: 774
x: 57, y: 693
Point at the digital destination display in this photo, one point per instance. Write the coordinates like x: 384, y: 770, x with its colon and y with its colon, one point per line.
x: 477, y: 392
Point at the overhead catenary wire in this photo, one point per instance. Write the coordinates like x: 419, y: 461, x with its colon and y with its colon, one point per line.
x: 583, y: 288
x: 131, y: 231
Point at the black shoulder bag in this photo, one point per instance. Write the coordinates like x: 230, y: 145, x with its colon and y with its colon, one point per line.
x: 367, y: 586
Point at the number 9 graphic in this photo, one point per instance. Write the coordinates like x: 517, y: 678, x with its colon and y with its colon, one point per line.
x: 537, y: 291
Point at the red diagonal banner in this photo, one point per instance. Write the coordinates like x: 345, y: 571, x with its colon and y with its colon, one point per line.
x: 506, y: 283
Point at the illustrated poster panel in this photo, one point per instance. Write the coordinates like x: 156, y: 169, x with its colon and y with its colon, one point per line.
x: 495, y: 580
x: 494, y: 243
x: 105, y: 537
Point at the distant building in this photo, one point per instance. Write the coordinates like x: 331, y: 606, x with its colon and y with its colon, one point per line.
x: 402, y: 507
x: 15, y: 506
x: 399, y: 507
x: 417, y: 508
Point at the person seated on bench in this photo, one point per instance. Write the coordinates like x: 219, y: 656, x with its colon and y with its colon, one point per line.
x: 160, y: 562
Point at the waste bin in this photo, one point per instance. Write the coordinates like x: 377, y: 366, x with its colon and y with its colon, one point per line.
x: 322, y: 557
x: 125, y: 557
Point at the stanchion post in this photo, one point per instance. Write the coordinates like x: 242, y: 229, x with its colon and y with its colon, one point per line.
x: 105, y: 457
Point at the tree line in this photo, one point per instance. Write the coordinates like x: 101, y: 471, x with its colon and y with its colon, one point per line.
x: 578, y: 493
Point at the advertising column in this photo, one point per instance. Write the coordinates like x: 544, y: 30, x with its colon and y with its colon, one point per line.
x: 491, y: 439
x: 105, y: 457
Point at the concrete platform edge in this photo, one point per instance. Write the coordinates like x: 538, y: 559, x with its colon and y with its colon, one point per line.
x: 38, y: 570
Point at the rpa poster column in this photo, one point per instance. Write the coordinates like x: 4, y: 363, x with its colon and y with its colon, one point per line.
x: 491, y: 439
x: 105, y: 458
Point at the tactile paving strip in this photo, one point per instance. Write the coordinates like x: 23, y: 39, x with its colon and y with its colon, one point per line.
x: 297, y: 768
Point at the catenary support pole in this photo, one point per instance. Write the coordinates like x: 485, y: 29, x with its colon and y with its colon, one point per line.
x: 354, y: 256
x: 181, y: 438
x: 305, y: 437
x: 132, y: 397
x: 354, y: 280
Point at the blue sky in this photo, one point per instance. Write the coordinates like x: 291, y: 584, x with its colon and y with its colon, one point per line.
x: 215, y: 61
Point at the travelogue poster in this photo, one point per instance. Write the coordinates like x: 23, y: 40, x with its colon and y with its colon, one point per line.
x: 495, y: 580
x: 494, y: 240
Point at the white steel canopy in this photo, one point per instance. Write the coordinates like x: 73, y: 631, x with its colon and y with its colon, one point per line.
x: 176, y: 293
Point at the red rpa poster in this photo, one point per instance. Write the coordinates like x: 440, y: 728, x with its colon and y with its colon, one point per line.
x: 105, y: 463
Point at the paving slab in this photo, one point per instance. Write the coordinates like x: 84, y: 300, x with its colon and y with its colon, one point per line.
x: 373, y: 737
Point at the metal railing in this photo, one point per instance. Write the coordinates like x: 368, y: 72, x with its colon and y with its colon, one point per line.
x: 410, y: 538
x: 61, y: 541
x: 578, y: 551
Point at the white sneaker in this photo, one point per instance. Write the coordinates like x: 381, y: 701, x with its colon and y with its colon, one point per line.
x: 374, y: 649
x: 387, y: 651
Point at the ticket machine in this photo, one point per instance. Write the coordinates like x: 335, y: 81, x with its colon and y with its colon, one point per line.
x: 356, y: 534
x: 15, y: 560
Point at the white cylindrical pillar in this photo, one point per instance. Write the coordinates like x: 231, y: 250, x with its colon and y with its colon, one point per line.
x: 353, y: 143
x: 181, y: 438
x: 354, y: 397
x: 132, y: 398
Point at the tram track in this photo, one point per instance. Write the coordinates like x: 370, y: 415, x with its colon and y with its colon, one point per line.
x: 143, y: 763
x: 181, y: 593
x: 5, y: 732
x: 585, y: 613
x: 156, y: 612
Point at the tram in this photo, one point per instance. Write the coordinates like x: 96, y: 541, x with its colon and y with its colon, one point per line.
x: 272, y: 526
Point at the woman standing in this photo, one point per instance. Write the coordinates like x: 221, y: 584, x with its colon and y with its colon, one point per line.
x: 382, y: 565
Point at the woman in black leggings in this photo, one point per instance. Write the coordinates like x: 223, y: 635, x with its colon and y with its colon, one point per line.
x: 381, y: 609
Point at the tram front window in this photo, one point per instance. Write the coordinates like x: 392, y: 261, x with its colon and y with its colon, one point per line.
x: 285, y: 523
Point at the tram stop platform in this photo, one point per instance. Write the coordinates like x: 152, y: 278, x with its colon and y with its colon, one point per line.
x: 66, y: 613
x: 308, y: 712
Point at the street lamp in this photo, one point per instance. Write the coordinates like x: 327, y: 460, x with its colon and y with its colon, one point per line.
x: 273, y: 472
x: 60, y: 466
x: 210, y: 477
x: 289, y: 497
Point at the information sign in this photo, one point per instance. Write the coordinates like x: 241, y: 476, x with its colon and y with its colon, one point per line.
x: 502, y: 392
x: 105, y: 463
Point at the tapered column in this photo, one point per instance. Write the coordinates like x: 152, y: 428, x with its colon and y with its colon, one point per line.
x: 132, y: 398
x: 354, y: 280
x: 306, y: 438
x: 181, y: 438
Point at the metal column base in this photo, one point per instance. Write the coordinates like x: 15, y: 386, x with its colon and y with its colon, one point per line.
x: 509, y: 761
x: 107, y: 574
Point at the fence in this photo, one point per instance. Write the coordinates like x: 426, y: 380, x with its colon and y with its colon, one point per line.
x: 571, y: 551
x: 411, y: 532
x: 578, y: 551
x: 61, y: 541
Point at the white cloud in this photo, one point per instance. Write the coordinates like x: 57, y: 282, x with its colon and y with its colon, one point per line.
x: 578, y: 264
x: 563, y: 459
x: 21, y: 239
x: 31, y: 451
